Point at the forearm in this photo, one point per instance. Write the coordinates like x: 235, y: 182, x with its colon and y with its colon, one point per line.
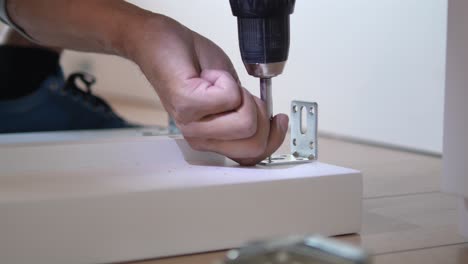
x: 104, y: 26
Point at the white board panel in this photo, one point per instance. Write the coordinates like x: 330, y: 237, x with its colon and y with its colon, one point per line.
x: 127, y: 198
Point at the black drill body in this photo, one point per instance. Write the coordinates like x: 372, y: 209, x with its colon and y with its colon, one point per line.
x: 263, y: 28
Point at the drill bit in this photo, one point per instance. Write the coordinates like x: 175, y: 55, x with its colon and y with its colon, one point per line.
x: 267, y: 97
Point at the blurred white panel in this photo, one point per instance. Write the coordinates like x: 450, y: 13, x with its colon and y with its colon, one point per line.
x: 455, y: 159
x: 143, y: 197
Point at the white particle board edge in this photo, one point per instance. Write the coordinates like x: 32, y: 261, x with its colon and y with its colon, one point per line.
x: 463, y: 209
x: 128, y: 198
x: 455, y: 150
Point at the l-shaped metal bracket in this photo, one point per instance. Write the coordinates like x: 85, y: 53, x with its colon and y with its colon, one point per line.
x: 304, y: 145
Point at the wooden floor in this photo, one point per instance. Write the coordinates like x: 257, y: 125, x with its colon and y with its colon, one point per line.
x: 406, y: 219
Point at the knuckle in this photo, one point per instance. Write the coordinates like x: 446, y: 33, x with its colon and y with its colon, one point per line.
x: 232, y: 97
x: 230, y: 87
x: 247, y: 128
x: 235, y: 98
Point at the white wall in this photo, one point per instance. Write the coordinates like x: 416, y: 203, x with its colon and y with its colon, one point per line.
x: 376, y: 68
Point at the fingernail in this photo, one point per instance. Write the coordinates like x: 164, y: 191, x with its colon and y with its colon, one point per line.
x: 284, y: 123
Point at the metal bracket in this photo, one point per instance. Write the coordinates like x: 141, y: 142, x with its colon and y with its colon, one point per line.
x: 304, y: 145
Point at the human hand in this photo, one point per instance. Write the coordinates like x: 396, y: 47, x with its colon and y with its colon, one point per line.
x: 198, y: 86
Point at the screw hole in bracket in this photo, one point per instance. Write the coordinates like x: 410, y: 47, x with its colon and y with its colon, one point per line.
x: 303, y: 120
x: 312, y: 110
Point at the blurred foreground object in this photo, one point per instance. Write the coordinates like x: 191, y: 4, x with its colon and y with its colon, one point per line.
x: 455, y: 152
x: 298, y: 250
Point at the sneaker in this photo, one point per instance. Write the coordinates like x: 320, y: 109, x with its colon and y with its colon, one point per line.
x: 59, y: 105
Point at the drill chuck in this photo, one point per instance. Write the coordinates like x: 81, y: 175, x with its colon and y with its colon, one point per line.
x: 263, y: 28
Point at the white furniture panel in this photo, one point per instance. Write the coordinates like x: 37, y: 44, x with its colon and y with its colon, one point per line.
x: 116, y: 198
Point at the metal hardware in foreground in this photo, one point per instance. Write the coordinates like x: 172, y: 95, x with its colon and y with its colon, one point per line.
x: 303, y: 118
x: 304, y: 250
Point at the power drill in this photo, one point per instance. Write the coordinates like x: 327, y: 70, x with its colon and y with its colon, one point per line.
x: 263, y: 27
